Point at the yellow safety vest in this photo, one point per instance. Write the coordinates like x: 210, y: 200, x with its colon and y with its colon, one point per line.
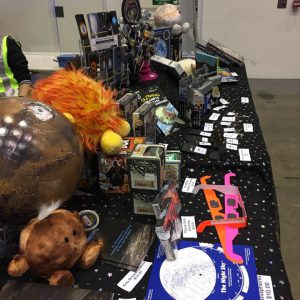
x: 8, y: 84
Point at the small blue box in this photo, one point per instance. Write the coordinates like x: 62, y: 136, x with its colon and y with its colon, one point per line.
x: 64, y: 59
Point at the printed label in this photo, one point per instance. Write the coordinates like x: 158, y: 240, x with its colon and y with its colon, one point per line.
x: 245, y: 100
x: 231, y: 147
x: 189, y: 185
x: 208, y: 127
x: 41, y: 112
x: 230, y: 135
x: 223, y: 101
x: 225, y: 123
x: 189, y: 227
x: 204, y: 144
x: 232, y: 141
x: 265, y: 287
x: 214, y: 117
x: 203, y: 133
x: 200, y: 150
x: 228, y: 119
x: 149, y: 176
x: 133, y: 278
x: 244, y: 155
x: 229, y: 129
x: 219, y: 107
x: 248, y: 127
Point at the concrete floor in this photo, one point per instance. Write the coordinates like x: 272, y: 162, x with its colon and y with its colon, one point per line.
x: 278, y: 107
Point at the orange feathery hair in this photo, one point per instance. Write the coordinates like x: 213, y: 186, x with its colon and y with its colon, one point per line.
x: 92, y: 105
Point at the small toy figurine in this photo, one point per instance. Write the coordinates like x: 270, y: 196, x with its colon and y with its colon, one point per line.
x: 138, y: 36
x: 50, y: 245
x: 140, y: 41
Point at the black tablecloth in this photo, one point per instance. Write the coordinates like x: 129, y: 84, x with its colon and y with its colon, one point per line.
x: 254, y: 180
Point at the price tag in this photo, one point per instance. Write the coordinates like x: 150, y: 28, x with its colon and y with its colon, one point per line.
x: 219, y: 107
x: 131, y: 279
x: 203, y: 133
x: 232, y: 141
x: 231, y: 114
x: 228, y: 119
x: 245, y: 100
x: 265, y: 287
x: 225, y: 123
x: 204, y: 144
x: 234, y: 74
x: 230, y: 135
x: 244, y: 155
x: 188, y: 227
x: 229, y: 129
x: 205, y: 140
x: 208, y: 127
x: 223, y: 101
x: 189, y: 185
x: 248, y: 127
x: 231, y: 147
x: 214, y: 117
x: 200, y: 150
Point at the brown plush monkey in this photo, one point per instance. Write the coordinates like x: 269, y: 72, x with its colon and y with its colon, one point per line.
x: 50, y: 247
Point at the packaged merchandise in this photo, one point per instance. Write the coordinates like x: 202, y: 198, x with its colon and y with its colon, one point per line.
x: 146, y: 166
x: 173, y: 166
x: 128, y: 105
x: 113, y: 170
x: 168, y: 227
x: 144, y: 122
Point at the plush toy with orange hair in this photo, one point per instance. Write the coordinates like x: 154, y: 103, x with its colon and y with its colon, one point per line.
x: 89, y: 105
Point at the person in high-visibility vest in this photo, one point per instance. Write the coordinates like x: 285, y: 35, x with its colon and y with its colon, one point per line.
x: 15, y: 77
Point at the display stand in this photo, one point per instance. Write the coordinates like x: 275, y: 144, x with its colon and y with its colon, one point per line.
x: 146, y: 74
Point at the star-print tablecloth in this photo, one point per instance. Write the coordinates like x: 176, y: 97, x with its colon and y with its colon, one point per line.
x: 253, y: 178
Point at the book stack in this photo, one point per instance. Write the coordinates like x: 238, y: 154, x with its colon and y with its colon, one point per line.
x: 226, y: 55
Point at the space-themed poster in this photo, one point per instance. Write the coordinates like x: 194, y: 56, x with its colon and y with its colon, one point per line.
x: 162, y: 45
x: 201, y: 271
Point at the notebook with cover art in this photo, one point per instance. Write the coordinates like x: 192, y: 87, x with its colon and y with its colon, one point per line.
x: 201, y: 271
x: 125, y: 243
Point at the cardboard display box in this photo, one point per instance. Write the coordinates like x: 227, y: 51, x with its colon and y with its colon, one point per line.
x: 113, y: 170
x: 146, y: 166
x: 144, y: 122
x: 197, y: 97
x: 173, y: 166
x: 128, y: 105
x: 168, y: 227
x: 142, y: 201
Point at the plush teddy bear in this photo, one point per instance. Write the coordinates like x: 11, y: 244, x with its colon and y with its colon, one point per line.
x: 168, y: 15
x: 51, y: 246
x: 89, y: 105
